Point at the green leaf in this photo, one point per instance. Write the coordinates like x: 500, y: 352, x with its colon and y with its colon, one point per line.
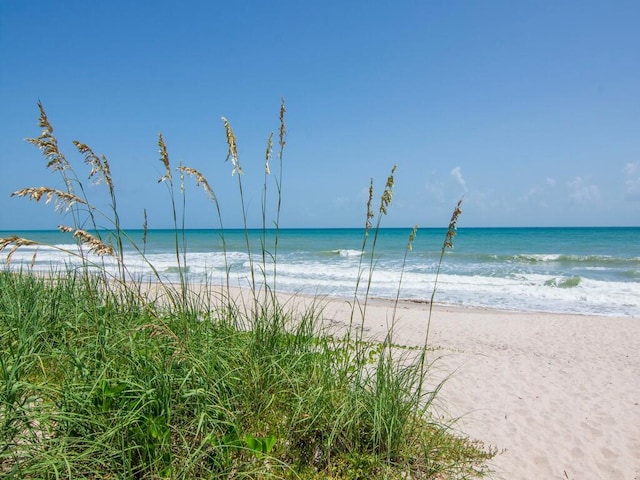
x: 253, y: 443
x: 268, y: 443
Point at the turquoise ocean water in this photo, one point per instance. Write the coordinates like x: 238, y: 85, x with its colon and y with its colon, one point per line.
x: 571, y: 270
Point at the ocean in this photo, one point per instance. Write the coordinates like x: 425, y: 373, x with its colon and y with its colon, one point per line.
x: 591, y: 271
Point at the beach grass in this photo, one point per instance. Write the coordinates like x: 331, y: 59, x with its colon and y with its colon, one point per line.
x: 106, y: 376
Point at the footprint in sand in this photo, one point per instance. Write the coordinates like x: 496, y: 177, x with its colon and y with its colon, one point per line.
x: 608, y: 454
x: 577, y: 453
x: 595, y: 432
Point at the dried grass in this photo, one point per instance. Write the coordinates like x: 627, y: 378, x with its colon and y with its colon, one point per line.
x: 95, y: 245
x: 64, y: 200
x: 201, y: 181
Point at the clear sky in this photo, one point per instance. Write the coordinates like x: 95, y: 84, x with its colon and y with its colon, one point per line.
x: 528, y: 109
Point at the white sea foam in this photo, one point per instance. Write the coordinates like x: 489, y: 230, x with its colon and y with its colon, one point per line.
x: 516, y: 291
x: 537, y: 257
x: 348, y: 252
x: 586, y: 280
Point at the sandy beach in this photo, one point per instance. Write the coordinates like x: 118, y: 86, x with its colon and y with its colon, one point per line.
x: 558, y: 395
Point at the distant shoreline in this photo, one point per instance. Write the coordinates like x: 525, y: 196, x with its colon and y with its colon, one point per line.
x: 12, y: 231
x: 590, y: 271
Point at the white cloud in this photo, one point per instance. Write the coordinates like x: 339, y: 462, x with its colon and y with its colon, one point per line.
x: 582, y: 192
x: 436, y: 191
x: 536, y: 195
x: 632, y: 181
x: 540, y: 194
x: 340, y: 202
x: 456, y: 173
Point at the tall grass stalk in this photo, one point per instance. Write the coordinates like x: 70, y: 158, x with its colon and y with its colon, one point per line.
x: 282, y: 141
x: 202, y: 182
x: 385, y: 201
x: 367, y: 227
x: 57, y: 162
x: 167, y: 179
x: 407, y: 250
x: 232, y: 155
x: 263, y: 239
x: 446, y: 244
x: 82, y: 213
x: 101, y: 170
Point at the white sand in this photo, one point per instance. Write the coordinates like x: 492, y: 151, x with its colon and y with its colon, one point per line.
x: 559, y: 395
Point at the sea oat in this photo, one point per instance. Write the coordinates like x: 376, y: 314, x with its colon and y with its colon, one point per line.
x: 17, y: 243
x: 49, y: 144
x: 11, y: 252
x: 448, y: 243
x: 63, y: 199
x: 99, y: 165
x: 4, y: 242
x: 201, y: 181
x: 164, y: 158
x: 412, y: 237
x: 33, y: 257
x: 233, y: 148
x: 451, y: 231
x: 386, y: 198
x: 368, y: 224
x: 145, y: 228
x: 181, y: 170
x: 267, y: 170
x: 94, y: 244
x: 283, y: 131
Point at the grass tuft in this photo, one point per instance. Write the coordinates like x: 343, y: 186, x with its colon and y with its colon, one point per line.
x: 104, y: 376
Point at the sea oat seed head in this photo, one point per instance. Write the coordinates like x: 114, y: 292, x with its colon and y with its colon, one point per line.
x: 94, y: 244
x: 64, y: 200
x: 267, y: 170
x: 164, y: 158
x: 387, y: 195
x: 145, y: 227
x: 201, y: 181
x: 181, y: 177
x: 233, y: 148
x: 412, y: 237
x: 17, y: 243
x: 283, y: 131
x: 4, y: 242
x: 48, y: 144
x: 99, y: 165
x: 368, y: 224
x: 453, y: 226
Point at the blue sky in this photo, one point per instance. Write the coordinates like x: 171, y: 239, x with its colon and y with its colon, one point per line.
x: 528, y: 109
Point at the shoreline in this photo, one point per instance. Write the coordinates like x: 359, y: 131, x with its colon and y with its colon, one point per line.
x: 534, y: 269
